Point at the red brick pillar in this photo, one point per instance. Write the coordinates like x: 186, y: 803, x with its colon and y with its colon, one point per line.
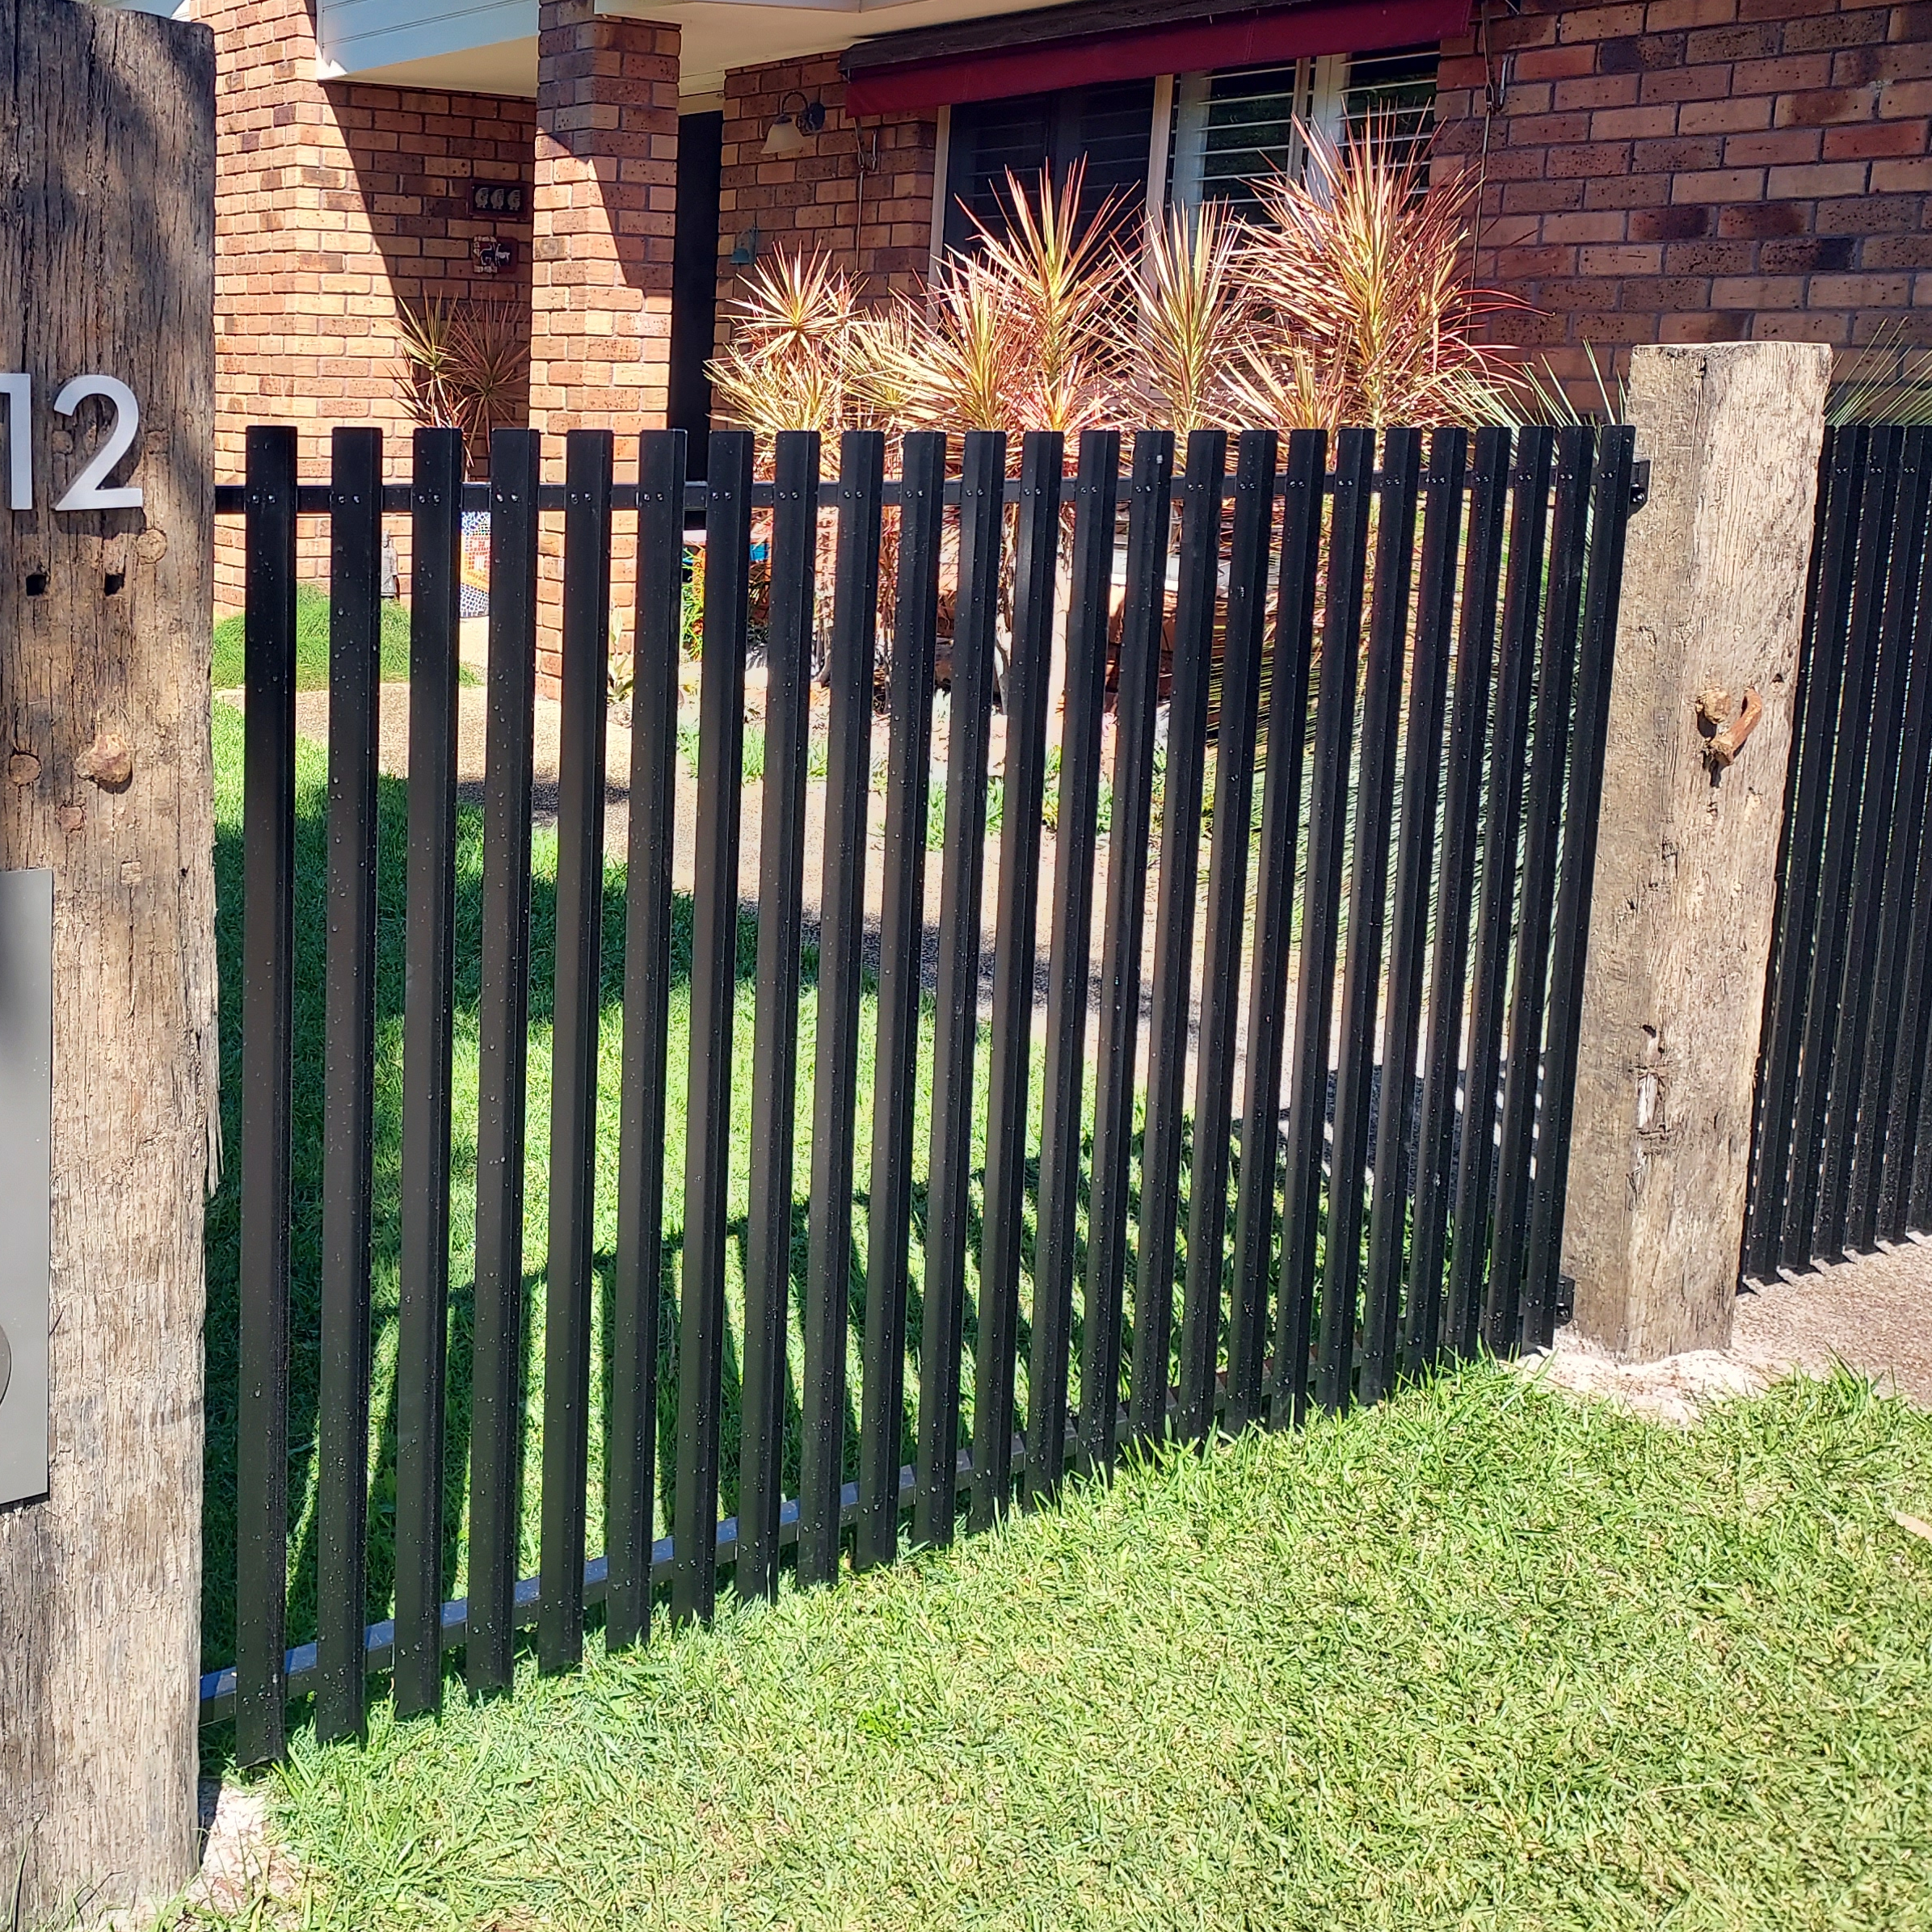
x: 604, y: 205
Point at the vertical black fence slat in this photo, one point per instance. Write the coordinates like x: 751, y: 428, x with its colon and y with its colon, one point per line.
x: 637, y: 1280
x: 1024, y: 699
x: 1455, y: 886
x: 981, y: 517
x: 1916, y: 1155
x: 1609, y: 520
x: 1414, y: 871
x: 1852, y: 718
x: 1203, y: 511
x: 1913, y: 901
x: 502, y: 1058
x: 268, y: 1077
x: 566, y: 1342
x: 775, y: 1042
x: 1368, y: 894
x: 1555, y: 680
x: 348, y: 1081
x: 901, y: 926
x: 1292, y: 662
x: 1243, y: 629
x: 1097, y: 495
x: 1137, y: 695
x: 422, y: 1321
x: 1849, y: 1205
x: 713, y: 981
x: 841, y: 940
x: 1820, y: 672
x: 1321, y: 911
x: 1475, y: 1170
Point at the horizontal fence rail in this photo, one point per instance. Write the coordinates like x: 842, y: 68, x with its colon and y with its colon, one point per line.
x: 396, y: 499
x: 1843, y: 1154
x: 1152, y: 1011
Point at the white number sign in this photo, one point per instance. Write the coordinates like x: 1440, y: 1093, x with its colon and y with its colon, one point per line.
x: 90, y: 489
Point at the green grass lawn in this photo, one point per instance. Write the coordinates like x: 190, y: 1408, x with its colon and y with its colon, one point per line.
x: 312, y: 644
x: 1483, y: 1657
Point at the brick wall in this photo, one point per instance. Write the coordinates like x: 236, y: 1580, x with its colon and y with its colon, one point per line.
x: 877, y: 223
x: 333, y: 203
x: 1696, y: 170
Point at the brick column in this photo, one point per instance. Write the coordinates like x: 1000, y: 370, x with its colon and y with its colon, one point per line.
x: 604, y: 208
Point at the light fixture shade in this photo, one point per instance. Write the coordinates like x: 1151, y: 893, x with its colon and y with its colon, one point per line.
x: 784, y: 140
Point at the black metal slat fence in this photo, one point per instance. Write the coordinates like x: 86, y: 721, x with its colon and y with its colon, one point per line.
x: 1438, y: 1064
x: 1842, y: 1157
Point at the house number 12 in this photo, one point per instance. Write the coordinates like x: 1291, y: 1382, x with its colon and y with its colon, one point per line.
x: 90, y: 489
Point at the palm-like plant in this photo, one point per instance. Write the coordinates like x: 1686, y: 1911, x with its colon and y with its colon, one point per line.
x: 1191, y: 317
x: 1363, y: 311
x: 1349, y: 303
x: 465, y: 365
x: 792, y: 349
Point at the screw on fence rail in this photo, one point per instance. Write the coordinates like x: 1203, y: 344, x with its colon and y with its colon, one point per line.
x: 1136, y: 697
x: 1556, y: 677
x: 1024, y: 696
x: 348, y: 1081
x: 902, y: 923
x: 1288, y: 680
x: 1515, y: 684
x: 1455, y: 887
x: 714, y: 978
x: 1852, y: 723
x: 1236, y: 730
x: 1546, y: 1303
x: 836, y: 1049
x: 1848, y: 1209
x: 503, y: 1055
x: 1321, y: 907
x: 423, y: 1319
x: 1841, y: 484
x: 638, y: 1278
x: 267, y: 1009
x: 763, y: 1385
x: 982, y: 518
x: 1097, y: 497
x: 1415, y: 874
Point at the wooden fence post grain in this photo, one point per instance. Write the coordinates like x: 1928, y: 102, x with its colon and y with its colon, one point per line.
x: 1686, y: 885
x: 107, y: 126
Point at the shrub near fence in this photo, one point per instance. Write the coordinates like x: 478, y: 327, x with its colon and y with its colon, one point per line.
x: 1434, y: 639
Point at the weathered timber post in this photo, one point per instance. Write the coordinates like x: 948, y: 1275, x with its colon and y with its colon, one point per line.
x: 1680, y: 938
x: 107, y: 155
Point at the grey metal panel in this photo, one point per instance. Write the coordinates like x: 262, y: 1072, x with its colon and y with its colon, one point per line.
x: 26, y: 1174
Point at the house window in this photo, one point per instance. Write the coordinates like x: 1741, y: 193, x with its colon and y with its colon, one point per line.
x: 1216, y: 132
x: 1111, y: 126
x: 1233, y: 127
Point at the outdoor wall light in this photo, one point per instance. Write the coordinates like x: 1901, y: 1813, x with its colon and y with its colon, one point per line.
x: 786, y: 136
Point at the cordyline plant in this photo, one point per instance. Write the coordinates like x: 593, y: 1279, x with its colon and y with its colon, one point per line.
x: 465, y: 365
x: 1348, y: 302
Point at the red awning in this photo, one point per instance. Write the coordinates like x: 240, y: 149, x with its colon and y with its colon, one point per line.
x: 1181, y: 47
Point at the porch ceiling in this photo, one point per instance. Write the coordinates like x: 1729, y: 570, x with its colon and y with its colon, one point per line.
x: 490, y: 46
